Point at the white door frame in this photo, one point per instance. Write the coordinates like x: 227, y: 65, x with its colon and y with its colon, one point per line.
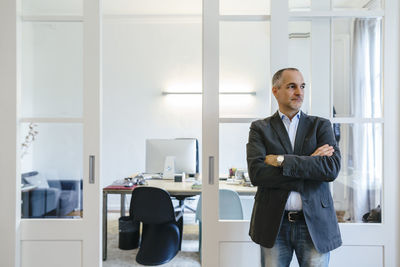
x: 10, y: 190
x: 14, y: 230
x: 210, y: 133
x: 385, y: 234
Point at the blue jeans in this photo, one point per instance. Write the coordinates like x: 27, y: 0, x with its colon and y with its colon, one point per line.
x: 293, y: 236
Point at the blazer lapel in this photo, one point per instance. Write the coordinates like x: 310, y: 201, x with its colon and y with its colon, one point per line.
x: 304, y: 125
x: 280, y: 129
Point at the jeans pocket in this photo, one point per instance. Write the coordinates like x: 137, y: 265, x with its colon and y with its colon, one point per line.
x: 325, y: 202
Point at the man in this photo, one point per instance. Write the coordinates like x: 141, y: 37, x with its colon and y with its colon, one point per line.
x: 292, y: 157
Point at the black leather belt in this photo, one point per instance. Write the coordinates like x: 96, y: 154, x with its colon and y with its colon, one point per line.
x: 294, y: 216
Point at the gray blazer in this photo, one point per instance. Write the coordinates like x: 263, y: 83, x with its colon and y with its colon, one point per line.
x: 300, y: 172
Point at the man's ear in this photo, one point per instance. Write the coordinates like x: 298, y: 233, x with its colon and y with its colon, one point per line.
x: 275, y: 90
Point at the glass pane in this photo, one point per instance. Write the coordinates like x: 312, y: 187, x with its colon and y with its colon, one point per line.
x: 51, y: 167
x: 49, y: 7
x: 300, y: 55
x: 357, y: 68
x: 357, y: 190
x: 357, y: 4
x: 51, y: 69
x: 244, y: 69
x: 249, y: 7
x: 236, y: 192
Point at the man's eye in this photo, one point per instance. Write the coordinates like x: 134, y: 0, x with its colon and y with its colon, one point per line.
x: 303, y: 86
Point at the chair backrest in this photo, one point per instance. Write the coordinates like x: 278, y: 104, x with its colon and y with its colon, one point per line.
x: 230, y: 207
x: 151, y: 205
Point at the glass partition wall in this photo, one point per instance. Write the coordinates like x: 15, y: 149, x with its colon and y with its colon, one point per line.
x: 152, y: 61
x: 340, y: 57
x: 338, y: 46
x: 59, y: 117
x: 51, y: 109
x: 357, y: 114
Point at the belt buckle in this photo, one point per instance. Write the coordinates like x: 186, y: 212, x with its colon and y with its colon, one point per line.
x: 289, y: 216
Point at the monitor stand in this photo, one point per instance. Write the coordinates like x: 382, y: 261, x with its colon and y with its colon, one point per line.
x: 169, y: 167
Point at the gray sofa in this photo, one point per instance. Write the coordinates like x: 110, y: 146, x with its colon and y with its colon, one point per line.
x: 61, y: 198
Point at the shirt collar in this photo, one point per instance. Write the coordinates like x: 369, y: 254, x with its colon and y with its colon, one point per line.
x: 283, y: 116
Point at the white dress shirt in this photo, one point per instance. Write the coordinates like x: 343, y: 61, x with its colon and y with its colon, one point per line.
x: 294, y: 201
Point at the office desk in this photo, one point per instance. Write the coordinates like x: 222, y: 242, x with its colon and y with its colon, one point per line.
x: 179, y: 190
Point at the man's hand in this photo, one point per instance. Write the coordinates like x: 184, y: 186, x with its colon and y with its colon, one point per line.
x: 325, y: 150
x: 271, y: 160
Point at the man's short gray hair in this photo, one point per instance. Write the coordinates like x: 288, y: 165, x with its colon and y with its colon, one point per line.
x: 276, y: 79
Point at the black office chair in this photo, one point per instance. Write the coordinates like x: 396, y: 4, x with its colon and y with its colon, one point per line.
x: 162, y: 225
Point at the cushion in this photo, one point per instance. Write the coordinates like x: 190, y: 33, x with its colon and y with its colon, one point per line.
x: 38, y: 180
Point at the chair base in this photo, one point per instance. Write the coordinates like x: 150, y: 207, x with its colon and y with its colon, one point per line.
x: 159, y: 244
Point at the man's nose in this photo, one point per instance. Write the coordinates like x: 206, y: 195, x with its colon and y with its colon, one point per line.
x: 298, y: 91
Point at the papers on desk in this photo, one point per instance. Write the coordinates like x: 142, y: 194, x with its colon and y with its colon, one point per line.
x: 196, y: 185
x: 121, y: 184
x: 152, y: 176
x: 234, y: 182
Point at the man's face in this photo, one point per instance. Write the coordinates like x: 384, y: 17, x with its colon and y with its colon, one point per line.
x: 290, y: 93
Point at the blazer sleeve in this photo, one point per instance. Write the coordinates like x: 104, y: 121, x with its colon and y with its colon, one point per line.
x: 262, y: 174
x: 320, y: 168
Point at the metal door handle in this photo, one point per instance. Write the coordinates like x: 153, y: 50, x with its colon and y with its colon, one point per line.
x: 211, y: 170
x: 91, y: 169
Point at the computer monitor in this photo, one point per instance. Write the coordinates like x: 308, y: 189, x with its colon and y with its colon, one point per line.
x: 184, y: 150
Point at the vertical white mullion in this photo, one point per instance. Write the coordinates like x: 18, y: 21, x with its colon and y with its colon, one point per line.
x: 391, y: 67
x: 321, y: 89
x: 92, y: 92
x: 279, y: 40
x: 279, y: 34
x: 10, y: 190
x: 320, y: 67
x: 210, y: 131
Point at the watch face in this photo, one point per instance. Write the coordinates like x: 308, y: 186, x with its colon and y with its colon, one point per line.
x: 280, y: 159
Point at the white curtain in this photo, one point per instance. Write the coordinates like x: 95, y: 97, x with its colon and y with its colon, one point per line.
x: 366, y: 102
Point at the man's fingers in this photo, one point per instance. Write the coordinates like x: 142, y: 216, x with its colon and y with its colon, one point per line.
x: 321, y: 148
x: 325, y: 150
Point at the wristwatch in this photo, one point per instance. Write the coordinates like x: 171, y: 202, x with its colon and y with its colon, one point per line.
x: 279, y: 160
